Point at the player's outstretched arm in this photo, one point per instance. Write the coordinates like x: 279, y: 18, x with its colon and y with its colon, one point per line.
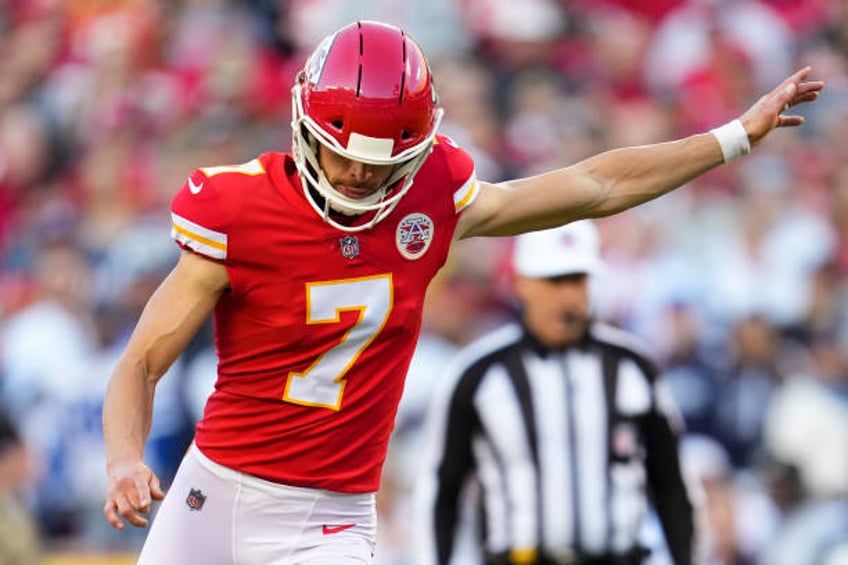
x: 170, y: 319
x: 620, y: 179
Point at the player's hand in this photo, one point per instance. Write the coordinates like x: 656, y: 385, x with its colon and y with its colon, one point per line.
x: 768, y: 112
x: 132, y: 488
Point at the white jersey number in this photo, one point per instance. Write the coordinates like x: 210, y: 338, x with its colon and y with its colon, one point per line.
x: 322, y: 383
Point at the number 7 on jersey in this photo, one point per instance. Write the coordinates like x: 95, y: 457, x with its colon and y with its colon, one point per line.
x: 322, y: 383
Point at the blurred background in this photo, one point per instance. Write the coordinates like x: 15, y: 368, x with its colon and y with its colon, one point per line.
x: 739, y: 281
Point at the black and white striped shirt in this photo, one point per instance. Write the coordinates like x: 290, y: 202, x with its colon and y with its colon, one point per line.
x: 568, y: 447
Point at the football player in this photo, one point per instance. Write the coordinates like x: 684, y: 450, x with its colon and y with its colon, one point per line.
x: 315, y: 265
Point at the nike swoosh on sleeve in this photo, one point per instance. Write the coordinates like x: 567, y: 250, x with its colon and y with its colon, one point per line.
x: 194, y: 188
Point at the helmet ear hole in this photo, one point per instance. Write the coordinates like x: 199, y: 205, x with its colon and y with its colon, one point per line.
x: 338, y: 124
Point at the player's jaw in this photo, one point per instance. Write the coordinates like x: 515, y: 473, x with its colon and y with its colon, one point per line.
x: 353, y: 179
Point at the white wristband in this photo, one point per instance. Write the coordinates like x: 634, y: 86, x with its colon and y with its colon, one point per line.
x: 733, y: 140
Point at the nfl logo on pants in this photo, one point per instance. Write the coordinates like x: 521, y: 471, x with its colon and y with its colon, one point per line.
x: 195, y: 499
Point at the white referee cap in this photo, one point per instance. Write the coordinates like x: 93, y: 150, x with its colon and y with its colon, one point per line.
x: 566, y: 250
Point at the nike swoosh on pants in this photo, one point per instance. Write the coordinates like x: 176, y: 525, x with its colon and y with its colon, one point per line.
x: 329, y: 530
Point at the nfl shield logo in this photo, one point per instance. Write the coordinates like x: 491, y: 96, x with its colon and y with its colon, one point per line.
x: 349, y: 246
x: 195, y: 499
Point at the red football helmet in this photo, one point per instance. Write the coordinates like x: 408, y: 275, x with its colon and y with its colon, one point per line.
x: 367, y: 94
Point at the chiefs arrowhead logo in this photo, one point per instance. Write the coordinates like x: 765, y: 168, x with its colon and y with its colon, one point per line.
x: 414, y: 235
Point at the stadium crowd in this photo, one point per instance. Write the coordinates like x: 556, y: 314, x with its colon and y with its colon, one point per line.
x: 739, y: 281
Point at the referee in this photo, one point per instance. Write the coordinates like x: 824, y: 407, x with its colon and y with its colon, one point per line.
x: 559, y: 424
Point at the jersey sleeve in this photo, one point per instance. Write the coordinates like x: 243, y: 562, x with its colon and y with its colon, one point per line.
x: 197, y: 219
x: 462, y: 173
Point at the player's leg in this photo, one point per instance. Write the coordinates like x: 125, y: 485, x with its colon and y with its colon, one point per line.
x: 343, y: 531
x: 217, y: 516
x: 279, y: 525
x: 194, y: 522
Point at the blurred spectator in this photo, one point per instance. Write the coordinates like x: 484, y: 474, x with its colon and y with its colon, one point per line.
x: 615, y: 44
x: 746, y: 385
x: 466, y: 90
x: 515, y: 35
x: 762, y: 254
x: 815, y: 533
x: 20, y: 540
x: 708, y: 471
x: 686, y: 36
x: 437, y: 25
x: 56, y: 398
x: 25, y: 152
x: 38, y: 388
x: 689, y: 367
x: 534, y: 136
x: 807, y: 422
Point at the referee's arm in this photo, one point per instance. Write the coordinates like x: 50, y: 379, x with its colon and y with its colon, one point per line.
x: 668, y: 490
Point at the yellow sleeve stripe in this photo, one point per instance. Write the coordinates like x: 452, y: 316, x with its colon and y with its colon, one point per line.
x: 466, y: 194
x: 197, y: 238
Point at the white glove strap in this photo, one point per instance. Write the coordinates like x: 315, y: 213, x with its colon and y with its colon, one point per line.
x: 733, y: 140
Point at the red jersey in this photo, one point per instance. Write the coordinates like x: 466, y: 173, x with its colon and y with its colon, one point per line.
x: 316, y: 334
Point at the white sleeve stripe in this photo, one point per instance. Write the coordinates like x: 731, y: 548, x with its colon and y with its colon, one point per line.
x: 199, y: 247
x: 188, y: 227
x: 198, y: 238
x: 466, y: 194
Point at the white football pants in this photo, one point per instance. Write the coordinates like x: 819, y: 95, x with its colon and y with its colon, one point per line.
x: 213, y: 515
